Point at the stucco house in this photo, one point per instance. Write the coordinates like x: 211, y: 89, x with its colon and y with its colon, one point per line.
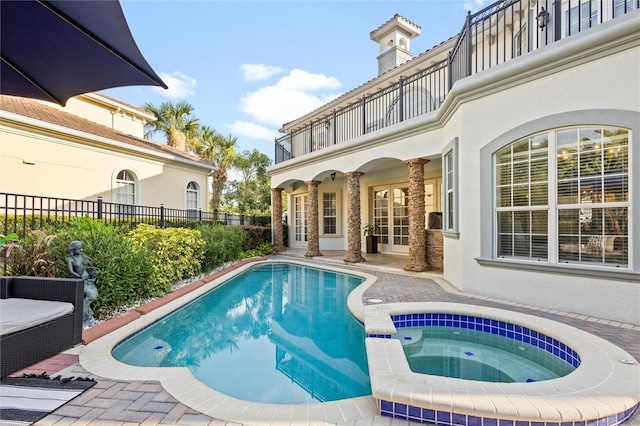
x: 522, y: 130
x: 95, y: 146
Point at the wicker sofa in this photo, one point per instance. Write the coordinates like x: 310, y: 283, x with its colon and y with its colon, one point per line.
x: 42, y: 329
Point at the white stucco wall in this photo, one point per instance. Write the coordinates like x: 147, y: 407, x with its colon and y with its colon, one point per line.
x: 609, y: 83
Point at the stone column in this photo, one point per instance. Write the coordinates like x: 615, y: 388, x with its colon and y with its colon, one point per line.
x: 276, y: 218
x: 417, y: 233
x: 354, y: 236
x: 313, y: 230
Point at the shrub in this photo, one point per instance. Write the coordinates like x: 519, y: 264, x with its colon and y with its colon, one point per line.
x: 223, y: 244
x: 263, y: 249
x: 256, y: 235
x: 175, y: 253
x: 124, y: 275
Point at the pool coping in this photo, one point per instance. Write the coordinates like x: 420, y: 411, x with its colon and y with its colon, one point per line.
x: 601, y: 387
x: 182, y: 385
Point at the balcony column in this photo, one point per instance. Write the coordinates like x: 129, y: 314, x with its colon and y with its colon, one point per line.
x: 276, y: 219
x: 354, y: 237
x: 417, y: 233
x: 313, y: 231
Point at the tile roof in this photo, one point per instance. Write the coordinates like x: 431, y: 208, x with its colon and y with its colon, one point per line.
x: 38, y: 111
x: 396, y: 16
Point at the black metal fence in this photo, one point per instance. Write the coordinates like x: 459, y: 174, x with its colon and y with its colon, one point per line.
x: 22, y: 213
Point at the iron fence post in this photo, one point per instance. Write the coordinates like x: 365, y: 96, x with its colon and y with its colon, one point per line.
x: 364, y: 114
x: 400, y: 100
x: 161, y: 216
x: 99, y: 207
x: 335, y: 128
x: 557, y: 21
x: 468, y: 55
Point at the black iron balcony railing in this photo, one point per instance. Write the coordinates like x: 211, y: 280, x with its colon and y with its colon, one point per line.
x: 494, y: 35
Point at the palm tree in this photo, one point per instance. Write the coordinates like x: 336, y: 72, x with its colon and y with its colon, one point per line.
x: 220, y: 150
x: 175, y: 122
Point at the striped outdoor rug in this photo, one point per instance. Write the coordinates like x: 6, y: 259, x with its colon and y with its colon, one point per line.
x: 25, y: 400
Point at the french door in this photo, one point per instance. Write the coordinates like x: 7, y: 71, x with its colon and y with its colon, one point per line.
x: 300, y: 221
x: 391, y: 217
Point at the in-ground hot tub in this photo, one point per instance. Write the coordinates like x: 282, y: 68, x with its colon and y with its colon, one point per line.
x: 603, y: 387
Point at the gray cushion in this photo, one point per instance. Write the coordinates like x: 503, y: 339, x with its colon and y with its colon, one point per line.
x: 19, y: 314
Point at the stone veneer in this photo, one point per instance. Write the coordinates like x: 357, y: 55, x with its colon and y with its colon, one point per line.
x: 313, y: 230
x: 417, y: 235
x: 276, y: 219
x: 354, y: 238
x: 435, y: 249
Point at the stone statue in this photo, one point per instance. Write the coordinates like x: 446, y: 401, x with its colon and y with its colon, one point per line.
x: 80, y: 266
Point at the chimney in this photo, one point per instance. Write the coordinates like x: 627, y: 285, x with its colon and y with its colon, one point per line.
x: 394, y: 37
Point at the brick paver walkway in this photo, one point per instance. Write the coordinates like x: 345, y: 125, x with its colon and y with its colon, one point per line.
x: 112, y: 402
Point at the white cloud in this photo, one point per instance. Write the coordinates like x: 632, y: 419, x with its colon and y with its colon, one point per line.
x: 290, y: 98
x: 256, y: 72
x: 475, y: 5
x: 305, y: 81
x: 253, y: 130
x: 180, y: 85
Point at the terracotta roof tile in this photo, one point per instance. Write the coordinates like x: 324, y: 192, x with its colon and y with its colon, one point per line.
x: 38, y: 111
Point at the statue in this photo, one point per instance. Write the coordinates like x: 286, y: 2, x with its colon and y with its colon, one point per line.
x: 80, y: 266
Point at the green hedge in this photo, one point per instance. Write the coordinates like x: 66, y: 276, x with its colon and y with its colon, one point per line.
x: 134, y: 265
x: 176, y: 253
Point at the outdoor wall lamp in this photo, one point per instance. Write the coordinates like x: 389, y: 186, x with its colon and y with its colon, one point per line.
x: 333, y: 176
x: 542, y: 18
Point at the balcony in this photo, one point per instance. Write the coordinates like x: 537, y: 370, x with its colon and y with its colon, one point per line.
x: 496, y: 34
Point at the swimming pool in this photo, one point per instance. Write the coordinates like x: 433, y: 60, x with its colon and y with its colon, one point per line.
x: 282, y: 328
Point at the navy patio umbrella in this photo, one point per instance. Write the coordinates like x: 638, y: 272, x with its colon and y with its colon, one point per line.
x: 53, y: 50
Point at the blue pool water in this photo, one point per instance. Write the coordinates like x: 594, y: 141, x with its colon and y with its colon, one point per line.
x: 277, y: 333
x: 476, y: 355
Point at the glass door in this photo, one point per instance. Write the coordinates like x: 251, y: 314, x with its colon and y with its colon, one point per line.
x: 300, y: 220
x: 391, y: 217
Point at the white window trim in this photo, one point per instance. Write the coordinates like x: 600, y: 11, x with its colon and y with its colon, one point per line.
x: 198, y: 193
x: 338, y: 193
x: 137, y: 188
x: 454, y: 231
x: 605, y: 117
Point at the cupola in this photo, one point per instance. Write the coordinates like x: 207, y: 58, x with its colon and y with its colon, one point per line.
x: 394, y: 37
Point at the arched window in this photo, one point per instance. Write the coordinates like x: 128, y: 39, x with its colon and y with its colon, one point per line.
x: 576, y: 212
x: 125, y: 188
x: 192, y: 196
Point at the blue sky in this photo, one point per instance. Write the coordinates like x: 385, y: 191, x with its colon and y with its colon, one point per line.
x: 247, y: 67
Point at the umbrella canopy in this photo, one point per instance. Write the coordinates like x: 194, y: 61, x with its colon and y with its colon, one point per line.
x: 53, y: 50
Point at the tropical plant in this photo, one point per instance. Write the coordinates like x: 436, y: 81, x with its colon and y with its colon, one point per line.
x: 251, y: 194
x: 369, y: 230
x: 7, y: 239
x: 31, y: 255
x: 220, y: 150
x: 176, y: 122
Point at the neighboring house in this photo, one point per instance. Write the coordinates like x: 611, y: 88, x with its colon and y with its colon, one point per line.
x: 94, y: 147
x: 523, y: 130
